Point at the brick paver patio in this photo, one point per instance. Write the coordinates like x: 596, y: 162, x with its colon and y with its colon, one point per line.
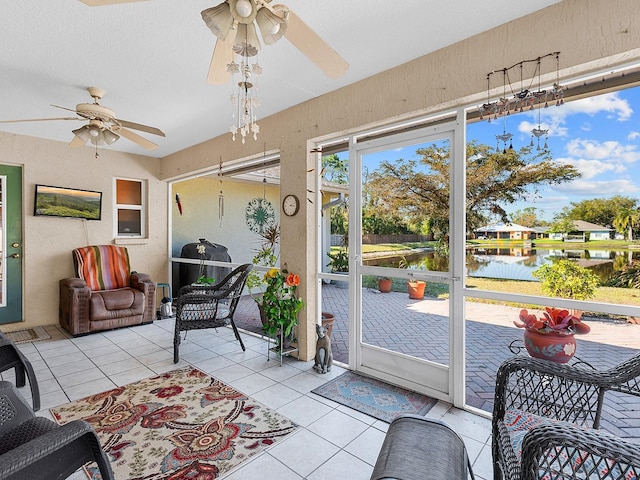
x: 420, y: 328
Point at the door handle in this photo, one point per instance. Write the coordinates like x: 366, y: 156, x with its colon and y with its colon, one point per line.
x: 15, y: 255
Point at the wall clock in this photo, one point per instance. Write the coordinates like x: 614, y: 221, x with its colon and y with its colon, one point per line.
x: 260, y: 215
x: 290, y: 205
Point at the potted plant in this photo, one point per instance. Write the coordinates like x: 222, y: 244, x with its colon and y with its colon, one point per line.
x: 384, y: 284
x: 551, y: 336
x: 416, y: 289
x: 266, y: 256
x: 202, y: 269
x: 280, y: 305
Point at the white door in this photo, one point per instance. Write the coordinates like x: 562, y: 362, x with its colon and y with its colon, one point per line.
x: 404, y: 340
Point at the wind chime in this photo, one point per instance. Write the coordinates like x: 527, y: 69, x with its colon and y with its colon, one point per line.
x: 524, y: 98
x: 220, y: 195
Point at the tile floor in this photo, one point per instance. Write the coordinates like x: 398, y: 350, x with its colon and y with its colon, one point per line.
x: 335, y: 441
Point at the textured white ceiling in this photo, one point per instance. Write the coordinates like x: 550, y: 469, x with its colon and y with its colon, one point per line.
x: 152, y: 58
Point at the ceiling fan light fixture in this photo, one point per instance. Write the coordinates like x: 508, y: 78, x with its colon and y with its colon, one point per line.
x: 219, y: 20
x: 109, y: 137
x: 247, y: 42
x: 82, y: 133
x: 244, y: 8
x: 272, y: 26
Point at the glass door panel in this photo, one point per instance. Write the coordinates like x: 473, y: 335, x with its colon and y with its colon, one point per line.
x: 403, y: 236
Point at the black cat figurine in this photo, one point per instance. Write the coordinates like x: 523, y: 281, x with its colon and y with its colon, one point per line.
x: 324, y: 357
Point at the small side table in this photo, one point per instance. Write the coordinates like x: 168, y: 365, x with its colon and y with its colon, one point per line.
x: 279, y: 350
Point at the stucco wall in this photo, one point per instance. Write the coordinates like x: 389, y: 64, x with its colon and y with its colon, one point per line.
x: 590, y: 34
x: 199, y: 219
x: 48, y: 241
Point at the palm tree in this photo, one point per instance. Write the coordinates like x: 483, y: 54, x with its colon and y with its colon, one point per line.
x: 626, y: 219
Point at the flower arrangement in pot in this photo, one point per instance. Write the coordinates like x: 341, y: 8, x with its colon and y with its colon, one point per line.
x: 280, y: 304
x: 551, y: 336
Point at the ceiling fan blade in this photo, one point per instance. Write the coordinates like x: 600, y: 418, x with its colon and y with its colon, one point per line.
x: 222, y: 55
x: 142, y: 128
x: 64, y: 108
x: 317, y: 50
x: 100, y: 3
x: 40, y: 119
x: 76, y: 142
x: 134, y: 137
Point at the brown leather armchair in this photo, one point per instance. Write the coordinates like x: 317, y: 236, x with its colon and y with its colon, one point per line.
x: 105, y: 294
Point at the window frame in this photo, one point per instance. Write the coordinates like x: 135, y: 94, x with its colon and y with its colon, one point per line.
x: 142, y: 208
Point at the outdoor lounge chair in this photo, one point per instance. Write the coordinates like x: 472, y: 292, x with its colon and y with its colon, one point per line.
x: 420, y: 448
x: 205, y: 306
x: 531, y: 392
x: 562, y: 451
x: 37, y: 448
x: 12, y: 357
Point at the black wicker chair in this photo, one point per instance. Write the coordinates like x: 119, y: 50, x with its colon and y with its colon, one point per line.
x: 204, y: 306
x: 37, y: 448
x: 560, y: 451
x: 531, y: 392
x: 12, y: 357
x: 420, y: 448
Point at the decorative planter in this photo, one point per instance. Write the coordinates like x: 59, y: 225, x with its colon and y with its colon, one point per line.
x: 416, y: 289
x: 384, y: 285
x: 550, y: 346
x: 328, y: 319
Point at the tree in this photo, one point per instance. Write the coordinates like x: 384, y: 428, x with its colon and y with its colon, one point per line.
x: 601, y: 211
x: 526, y: 217
x: 419, y: 190
x: 335, y: 169
x: 625, y: 220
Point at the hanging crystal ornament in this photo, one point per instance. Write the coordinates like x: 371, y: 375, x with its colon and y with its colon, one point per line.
x: 539, y: 132
x: 246, y: 100
x: 503, y: 108
x: 220, y: 196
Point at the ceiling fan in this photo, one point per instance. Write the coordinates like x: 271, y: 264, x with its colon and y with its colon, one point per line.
x: 103, y: 127
x: 234, y: 22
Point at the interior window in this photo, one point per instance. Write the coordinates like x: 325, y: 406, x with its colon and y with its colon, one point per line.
x: 130, y: 208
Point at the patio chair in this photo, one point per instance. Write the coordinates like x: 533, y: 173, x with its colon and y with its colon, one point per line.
x: 561, y: 451
x: 205, y: 306
x: 37, y: 448
x: 12, y: 357
x: 531, y: 392
x: 420, y: 448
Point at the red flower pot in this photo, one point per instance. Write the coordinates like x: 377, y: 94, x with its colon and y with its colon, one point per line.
x: 416, y: 289
x: 550, y: 346
x: 384, y: 285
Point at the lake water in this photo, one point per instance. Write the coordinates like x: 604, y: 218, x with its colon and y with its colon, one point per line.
x: 515, y: 263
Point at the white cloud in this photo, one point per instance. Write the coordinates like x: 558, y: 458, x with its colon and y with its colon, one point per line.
x: 593, y: 168
x: 603, y: 188
x: 553, y: 118
x: 609, y: 151
x: 633, y: 135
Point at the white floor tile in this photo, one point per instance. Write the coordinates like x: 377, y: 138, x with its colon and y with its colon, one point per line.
x: 337, y: 427
x: 316, y: 452
x: 367, y: 446
x: 264, y: 466
x: 304, y: 410
x: 343, y: 465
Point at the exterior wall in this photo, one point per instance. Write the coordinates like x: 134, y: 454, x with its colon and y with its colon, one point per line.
x: 590, y: 34
x: 199, y: 219
x: 599, y: 235
x: 48, y: 241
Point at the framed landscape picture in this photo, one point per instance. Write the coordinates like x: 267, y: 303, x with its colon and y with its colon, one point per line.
x: 67, y: 202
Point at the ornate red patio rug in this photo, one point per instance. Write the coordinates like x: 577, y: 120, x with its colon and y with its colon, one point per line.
x: 183, y: 424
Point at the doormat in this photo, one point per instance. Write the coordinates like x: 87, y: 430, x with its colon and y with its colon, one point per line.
x: 182, y: 424
x: 28, y: 335
x: 373, y: 397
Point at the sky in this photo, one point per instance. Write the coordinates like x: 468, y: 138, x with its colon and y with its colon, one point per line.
x: 599, y: 135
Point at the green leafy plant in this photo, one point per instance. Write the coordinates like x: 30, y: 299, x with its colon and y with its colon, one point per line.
x: 266, y: 256
x: 339, y: 261
x: 628, y: 277
x: 567, y: 279
x: 279, y: 302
